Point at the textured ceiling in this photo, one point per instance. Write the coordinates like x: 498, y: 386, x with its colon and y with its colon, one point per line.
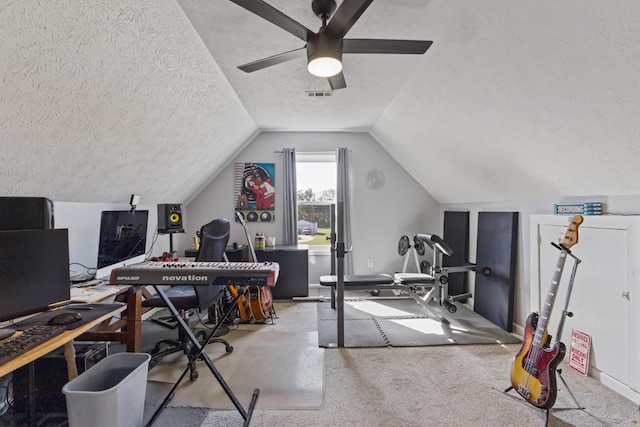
x: 514, y: 100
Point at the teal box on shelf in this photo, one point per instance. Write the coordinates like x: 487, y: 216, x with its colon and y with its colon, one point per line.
x: 590, y: 208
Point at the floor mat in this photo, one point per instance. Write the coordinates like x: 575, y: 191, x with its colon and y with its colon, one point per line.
x: 287, y: 367
x: 402, y: 322
x: 169, y: 417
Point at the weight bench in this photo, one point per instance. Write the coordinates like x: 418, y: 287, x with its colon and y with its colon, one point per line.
x: 436, y: 281
x: 404, y: 282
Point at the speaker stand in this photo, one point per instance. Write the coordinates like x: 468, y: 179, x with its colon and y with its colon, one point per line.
x: 171, y: 232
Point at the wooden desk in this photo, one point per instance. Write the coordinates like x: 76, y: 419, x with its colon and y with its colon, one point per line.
x: 64, y: 339
x: 127, y: 329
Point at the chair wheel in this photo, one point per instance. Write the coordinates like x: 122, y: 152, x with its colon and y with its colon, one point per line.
x: 229, y: 348
x: 193, y: 376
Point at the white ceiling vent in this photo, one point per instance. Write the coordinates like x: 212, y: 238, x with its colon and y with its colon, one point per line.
x: 318, y: 94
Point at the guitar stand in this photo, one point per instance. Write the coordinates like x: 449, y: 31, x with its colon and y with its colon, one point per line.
x: 548, y: 411
x: 201, y: 355
x: 565, y: 313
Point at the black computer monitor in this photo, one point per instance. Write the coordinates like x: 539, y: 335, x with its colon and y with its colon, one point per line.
x: 34, y: 271
x: 123, y: 240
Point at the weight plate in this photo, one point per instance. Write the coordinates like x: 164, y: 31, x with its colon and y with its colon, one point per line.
x: 425, y: 267
x: 403, y: 245
x: 419, y: 245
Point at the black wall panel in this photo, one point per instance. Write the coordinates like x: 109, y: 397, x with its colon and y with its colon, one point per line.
x: 456, y: 235
x: 495, y: 267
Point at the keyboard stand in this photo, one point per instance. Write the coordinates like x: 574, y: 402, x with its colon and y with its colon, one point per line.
x: 246, y: 414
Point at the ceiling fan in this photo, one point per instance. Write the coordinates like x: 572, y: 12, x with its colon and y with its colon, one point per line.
x: 324, y: 49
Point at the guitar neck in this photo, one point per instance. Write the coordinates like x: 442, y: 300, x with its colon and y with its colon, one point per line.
x: 543, y: 321
x: 254, y: 258
x: 252, y: 251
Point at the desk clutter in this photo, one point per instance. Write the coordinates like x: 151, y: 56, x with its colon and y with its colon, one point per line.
x: 84, y: 313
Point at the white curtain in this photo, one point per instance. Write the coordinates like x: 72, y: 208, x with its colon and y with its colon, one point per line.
x: 344, y: 197
x: 290, y: 214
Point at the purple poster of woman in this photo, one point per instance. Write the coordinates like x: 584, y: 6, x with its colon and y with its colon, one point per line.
x: 254, y: 187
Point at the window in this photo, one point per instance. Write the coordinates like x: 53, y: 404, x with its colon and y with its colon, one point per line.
x: 316, y: 175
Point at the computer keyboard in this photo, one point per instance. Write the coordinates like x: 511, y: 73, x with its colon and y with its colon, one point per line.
x: 31, y: 337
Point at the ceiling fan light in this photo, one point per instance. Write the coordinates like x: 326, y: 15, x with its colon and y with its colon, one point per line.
x: 324, y: 66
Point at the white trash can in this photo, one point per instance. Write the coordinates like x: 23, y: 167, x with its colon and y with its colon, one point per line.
x: 110, y: 393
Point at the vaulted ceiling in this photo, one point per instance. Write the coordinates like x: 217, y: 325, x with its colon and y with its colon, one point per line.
x: 514, y: 100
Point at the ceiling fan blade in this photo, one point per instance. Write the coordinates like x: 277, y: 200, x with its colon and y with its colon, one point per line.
x: 273, y: 60
x: 385, y: 46
x: 276, y: 17
x: 337, y: 81
x: 346, y: 15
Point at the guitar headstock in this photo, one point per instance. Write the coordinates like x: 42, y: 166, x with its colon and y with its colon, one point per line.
x: 571, y: 235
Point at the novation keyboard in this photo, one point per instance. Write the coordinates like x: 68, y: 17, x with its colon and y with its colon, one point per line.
x: 30, y: 338
x: 197, y: 273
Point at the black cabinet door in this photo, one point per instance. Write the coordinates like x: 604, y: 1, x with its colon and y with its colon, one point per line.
x: 294, y: 271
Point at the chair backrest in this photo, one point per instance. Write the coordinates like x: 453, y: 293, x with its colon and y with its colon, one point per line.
x: 214, y: 237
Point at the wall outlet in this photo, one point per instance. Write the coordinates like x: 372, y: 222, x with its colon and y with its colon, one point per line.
x: 370, y: 263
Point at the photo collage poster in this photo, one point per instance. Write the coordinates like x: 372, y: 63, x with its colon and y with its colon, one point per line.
x: 255, y: 192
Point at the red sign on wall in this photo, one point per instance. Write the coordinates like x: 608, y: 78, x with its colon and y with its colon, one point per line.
x: 579, y: 351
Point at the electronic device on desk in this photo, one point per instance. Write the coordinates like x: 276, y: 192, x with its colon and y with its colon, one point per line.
x: 26, y: 213
x: 66, y: 318
x: 34, y: 271
x: 196, y: 273
x: 123, y: 240
x: 29, y: 338
x: 50, y: 375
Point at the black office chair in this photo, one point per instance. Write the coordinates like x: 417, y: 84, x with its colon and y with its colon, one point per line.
x: 213, y: 241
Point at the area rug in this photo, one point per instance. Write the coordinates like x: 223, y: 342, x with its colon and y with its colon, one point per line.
x: 287, y: 368
x: 401, y: 322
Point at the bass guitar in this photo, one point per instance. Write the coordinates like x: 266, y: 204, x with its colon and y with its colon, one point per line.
x: 533, y: 371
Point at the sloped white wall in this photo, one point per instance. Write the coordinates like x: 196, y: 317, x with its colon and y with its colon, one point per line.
x: 380, y: 217
x: 101, y: 99
x: 521, y: 100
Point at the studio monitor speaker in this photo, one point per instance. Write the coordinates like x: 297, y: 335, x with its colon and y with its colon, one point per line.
x: 170, y: 216
x: 26, y: 213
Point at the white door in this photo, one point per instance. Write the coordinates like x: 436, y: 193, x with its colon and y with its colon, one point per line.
x: 601, y: 306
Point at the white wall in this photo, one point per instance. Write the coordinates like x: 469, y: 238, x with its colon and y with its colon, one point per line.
x: 380, y: 217
x: 615, y: 205
x: 83, y: 222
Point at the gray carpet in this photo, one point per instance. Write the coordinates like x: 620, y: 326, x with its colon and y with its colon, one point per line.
x: 440, y: 385
x: 401, y: 322
x: 170, y: 416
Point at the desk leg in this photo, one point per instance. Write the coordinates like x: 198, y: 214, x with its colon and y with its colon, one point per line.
x: 246, y: 415
x: 31, y: 410
x: 134, y: 321
x: 70, y: 358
